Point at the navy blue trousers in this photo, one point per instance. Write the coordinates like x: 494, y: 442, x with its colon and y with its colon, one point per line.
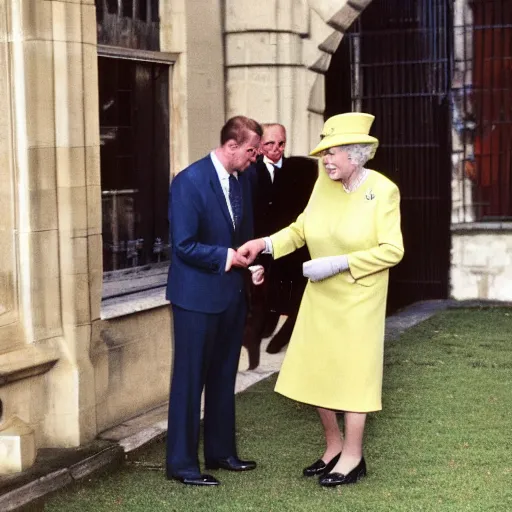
x: 206, y: 355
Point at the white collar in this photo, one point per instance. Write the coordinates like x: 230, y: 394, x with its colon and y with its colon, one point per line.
x: 278, y: 164
x: 221, y: 170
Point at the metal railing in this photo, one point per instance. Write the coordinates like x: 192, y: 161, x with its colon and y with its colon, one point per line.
x: 124, y: 246
x: 482, y: 111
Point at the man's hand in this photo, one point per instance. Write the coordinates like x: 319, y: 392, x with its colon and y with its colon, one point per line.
x: 251, y: 249
x: 240, y: 260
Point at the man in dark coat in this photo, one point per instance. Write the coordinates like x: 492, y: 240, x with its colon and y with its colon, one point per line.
x: 210, y: 215
x: 280, y: 190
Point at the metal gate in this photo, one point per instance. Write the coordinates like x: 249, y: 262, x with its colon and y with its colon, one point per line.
x: 394, y: 62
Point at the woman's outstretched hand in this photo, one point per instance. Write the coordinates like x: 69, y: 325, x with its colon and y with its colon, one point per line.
x: 251, y: 249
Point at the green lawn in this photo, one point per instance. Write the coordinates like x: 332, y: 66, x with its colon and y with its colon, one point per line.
x: 442, y: 442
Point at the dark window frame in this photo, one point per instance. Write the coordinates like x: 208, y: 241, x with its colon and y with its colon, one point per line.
x: 120, y: 283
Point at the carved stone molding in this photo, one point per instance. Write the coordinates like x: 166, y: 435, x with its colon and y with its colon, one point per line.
x: 27, y: 362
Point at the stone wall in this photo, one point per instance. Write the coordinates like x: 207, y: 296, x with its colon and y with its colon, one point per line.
x: 482, y: 265
x: 52, y: 223
x: 277, y: 53
x: 65, y: 372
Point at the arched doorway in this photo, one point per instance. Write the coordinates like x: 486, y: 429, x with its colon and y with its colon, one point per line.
x: 394, y: 62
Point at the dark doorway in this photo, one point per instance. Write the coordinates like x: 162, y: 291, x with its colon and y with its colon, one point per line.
x: 394, y: 62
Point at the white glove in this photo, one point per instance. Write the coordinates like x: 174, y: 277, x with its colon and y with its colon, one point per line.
x: 322, y: 268
x: 257, y: 274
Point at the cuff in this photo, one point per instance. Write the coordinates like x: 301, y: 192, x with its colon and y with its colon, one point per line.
x: 229, y: 259
x: 343, y: 263
x: 269, y: 249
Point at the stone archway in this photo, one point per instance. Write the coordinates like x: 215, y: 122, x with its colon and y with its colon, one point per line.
x: 327, y: 36
x: 276, y: 58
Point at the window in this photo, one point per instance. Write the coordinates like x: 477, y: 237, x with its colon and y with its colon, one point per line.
x: 134, y: 134
x: 128, y: 23
x: 484, y: 108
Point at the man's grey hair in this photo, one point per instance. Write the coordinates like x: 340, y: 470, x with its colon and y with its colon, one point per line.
x: 359, y: 154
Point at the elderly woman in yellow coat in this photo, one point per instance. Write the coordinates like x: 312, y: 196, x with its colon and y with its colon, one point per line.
x: 351, y: 226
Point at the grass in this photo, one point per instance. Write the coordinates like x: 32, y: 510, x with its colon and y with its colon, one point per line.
x: 442, y: 443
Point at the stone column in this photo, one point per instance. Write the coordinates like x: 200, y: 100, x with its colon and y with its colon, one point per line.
x: 192, y: 29
x: 265, y: 75
x: 52, y: 224
x: 77, y: 153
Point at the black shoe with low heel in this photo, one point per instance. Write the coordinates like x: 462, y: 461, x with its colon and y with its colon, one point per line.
x: 320, y: 467
x: 334, y: 479
x: 231, y: 464
x: 201, y: 480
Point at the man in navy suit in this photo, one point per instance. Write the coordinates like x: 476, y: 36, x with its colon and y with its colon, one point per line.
x: 210, y: 215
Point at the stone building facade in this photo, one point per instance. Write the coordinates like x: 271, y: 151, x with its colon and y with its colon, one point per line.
x: 73, y: 361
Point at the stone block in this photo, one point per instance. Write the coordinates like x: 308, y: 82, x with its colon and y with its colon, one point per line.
x: 92, y: 165
x: 95, y: 258
x: 330, y: 45
x: 34, y: 97
x: 75, y: 299
x: 90, y: 100
x: 69, y: 89
x: 71, y: 166
x: 173, y: 26
x: 17, y: 446
x: 317, y: 100
x: 481, y: 266
x: 344, y: 18
x: 41, y: 168
x: 43, y: 210
x: 89, y: 31
x: 263, y: 48
x: 45, y: 297
x: 35, y: 21
x: 94, y: 219
x: 131, y: 345
x: 326, y: 9
x: 241, y: 15
x: 67, y: 22
x: 253, y: 92
x: 296, y: 13
x: 41, y: 254
x: 73, y: 255
x: 73, y: 210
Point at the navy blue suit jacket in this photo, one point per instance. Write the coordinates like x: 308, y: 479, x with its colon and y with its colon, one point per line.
x: 201, y: 231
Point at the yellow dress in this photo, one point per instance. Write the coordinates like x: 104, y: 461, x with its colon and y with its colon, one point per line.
x: 335, y: 356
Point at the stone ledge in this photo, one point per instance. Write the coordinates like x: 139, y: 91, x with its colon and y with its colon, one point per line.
x: 55, y: 469
x: 481, y: 227
x: 27, y: 362
x: 32, y: 491
x: 133, y: 303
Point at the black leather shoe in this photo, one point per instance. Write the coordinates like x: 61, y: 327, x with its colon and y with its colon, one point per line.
x: 231, y: 464
x: 320, y: 467
x: 196, y: 480
x: 334, y: 479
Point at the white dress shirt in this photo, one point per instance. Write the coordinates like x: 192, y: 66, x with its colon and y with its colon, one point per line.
x: 224, y: 181
x: 271, y: 166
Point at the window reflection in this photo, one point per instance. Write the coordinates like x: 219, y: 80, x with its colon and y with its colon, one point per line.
x: 134, y: 137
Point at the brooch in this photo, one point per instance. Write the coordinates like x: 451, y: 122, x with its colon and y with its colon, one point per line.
x: 370, y: 196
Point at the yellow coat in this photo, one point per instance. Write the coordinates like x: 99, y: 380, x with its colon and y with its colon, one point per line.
x: 335, y: 356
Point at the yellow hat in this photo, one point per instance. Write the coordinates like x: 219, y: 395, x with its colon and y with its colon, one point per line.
x: 351, y: 128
